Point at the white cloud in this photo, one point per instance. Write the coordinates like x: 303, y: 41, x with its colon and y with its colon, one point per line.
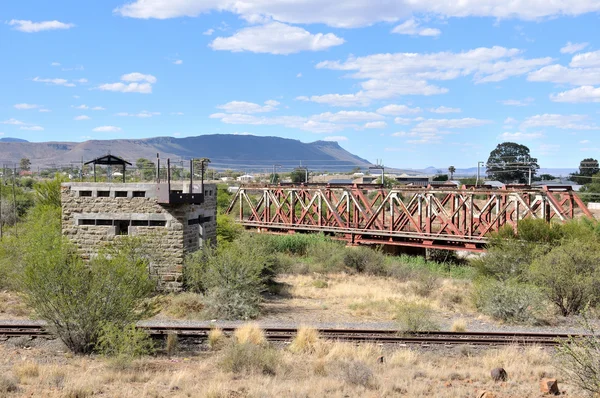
x: 404, y: 121
x: 347, y: 117
x: 520, y: 136
x: 208, y: 32
x: 107, y: 129
x: 394, y: 110
x: 445, y: 109
x: 142, y: 114
x: 142, y: 88
x: 177, y: 113
x: 512, y: 102
x: 138, y: 77
x: 571, y: 48
x: 375, y: 125
x: 26, y: 106
x: 299, y: 75
x: 356, y: 13
x: 578, y: 95
x: 55, y: 64
x: 134, y: 85
x: 178, y: 62
x: 32, y: 128
x: 44, y: 110
x: 336, y: 138
x: 431, y: 125
x: 248, y: 107
x: 563, y: 75
x: 31, y: 27
x: 584, y: 141
x: 389, y: 75
x: 586, y: 60
x: 13, y: 122
x: 341, y: 100
x: 413, y: 28
x: 81, y: 80
x: 276, y: 38
x: 567, y: 122
x: 82, y: 117
x: 56, y: 82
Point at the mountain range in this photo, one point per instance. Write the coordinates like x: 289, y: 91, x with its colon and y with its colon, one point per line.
x: 238, y: 152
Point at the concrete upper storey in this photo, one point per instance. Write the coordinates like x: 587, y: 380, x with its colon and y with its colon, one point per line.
x: 134, y: 190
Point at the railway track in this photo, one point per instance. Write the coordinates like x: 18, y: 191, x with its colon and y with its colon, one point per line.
x: 348, y: 335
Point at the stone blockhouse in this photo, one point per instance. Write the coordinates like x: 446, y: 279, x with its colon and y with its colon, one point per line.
x: 174, y: 221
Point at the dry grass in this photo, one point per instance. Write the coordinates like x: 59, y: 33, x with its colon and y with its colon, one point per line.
x: 364, y: 298
x: 26, y: 370
x: 216, y: 338
x: 331, y: 370
x: 306, y: 341
x: 459, y: 326
x: 11, y: 306
x: 250, y: 333
x: 184, y: 305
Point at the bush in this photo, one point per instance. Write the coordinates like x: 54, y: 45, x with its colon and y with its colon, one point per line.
x: 306, y: 341
x: 569, y: 275
x: 228, y: 229
x: 425, y: 284
x: 365, y: 260
x: 186, y: 305
x: 416, y: 317
x: 509, y: 301
x: 124, y: 343
x: 326, y: 256
x: 357, y: 373
x: 77, y: 299
x: 8, y: 384
x: 579, y: 359
x: 250, y: 358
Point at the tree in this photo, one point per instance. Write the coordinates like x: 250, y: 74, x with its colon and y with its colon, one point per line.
x: 587, y: 169
x: 274, y: 178
x: 146, y: 168
x: 298, y: 176
x: 25, y: 164
x: 451, y: 170
x: 441, y: 177
x: 78, y: 299
x: 511, y: 162
x: 547, y: 177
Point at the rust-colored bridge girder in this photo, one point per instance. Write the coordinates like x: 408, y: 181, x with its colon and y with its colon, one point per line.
x: 440, y: 218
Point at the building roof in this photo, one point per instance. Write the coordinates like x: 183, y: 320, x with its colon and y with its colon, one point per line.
x: 109, y: 160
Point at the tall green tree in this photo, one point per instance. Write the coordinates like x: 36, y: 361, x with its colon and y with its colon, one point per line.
x: 510, y: 163
x: 298, y: 176
x: 451, y: 170
x: 587, y: 169
x: 146, y: 168
x: 25, y: 164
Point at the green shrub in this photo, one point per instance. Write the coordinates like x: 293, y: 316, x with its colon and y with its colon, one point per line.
x: 509, y: 301
x: 415, y: 317
x: 228, y: 229
x: 425, y: 284
x: 508, y: 260
x: 326, y: 256
x: 569, y: 275
x: 124, y: 343
x: 365, y: 260
x: 579, y: 360
x: 186, y: 305
x: 357, y: 373
x: 250, y: 358
x: 76, y: 299
x: 234, y: 282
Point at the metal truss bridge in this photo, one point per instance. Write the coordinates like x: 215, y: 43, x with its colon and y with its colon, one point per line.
x: 434, y: 218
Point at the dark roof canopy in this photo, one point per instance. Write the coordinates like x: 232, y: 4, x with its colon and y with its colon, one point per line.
x: 109, y: 160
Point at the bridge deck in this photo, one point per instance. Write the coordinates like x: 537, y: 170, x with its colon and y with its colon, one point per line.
x: 455, y: 219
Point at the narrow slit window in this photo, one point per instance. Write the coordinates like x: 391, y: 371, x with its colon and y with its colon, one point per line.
x: 139, y: 223
x: 139, y: 194
x: 103, y: 194
x: 104, y: 222
x: 157, y: 223
x: 87, y: 222
x: 85, y: 193
x: 120, y: 194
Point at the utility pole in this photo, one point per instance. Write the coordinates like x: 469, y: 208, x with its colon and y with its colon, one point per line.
x: 380, y: 167
x: 15, y: 199
x: 530, y: 172
x: 202, y: 161
x: 479, y: 164
x: 273, y: 175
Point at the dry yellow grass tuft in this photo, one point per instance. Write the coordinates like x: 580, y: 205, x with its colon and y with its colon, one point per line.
x: 306, y: 341
x: 250, y: 333
x: 459, y: 326
x: 216, y: 338
x: 26, y: 370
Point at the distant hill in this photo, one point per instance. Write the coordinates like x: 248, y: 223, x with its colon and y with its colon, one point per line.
x: 10, y: 139
x: 239, y: 152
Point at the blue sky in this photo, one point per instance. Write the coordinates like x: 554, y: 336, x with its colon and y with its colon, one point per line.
x: 414, y: 83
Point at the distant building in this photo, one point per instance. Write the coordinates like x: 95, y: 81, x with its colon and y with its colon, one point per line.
x: 406, y: 179
x: 246, y: 178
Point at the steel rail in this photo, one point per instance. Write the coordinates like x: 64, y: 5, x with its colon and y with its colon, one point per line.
x: 386, y: 336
